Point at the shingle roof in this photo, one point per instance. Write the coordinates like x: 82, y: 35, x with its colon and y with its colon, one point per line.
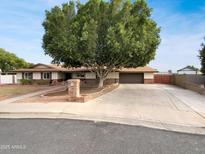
x: 188, y: 68
x: 139, y: 69
x: 44, y: 68
x: 51, y: 68
x: 59, y: 68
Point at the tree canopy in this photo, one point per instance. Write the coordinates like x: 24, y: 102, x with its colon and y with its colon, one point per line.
x: 9, y: 61
x: 102, y: 35
x: 202, y: 57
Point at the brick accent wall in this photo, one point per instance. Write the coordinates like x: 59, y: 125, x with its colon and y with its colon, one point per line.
x: 148, y: 81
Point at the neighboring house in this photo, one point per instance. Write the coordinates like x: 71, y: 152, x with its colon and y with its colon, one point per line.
x: 189, y: 70
x: 45, y: 74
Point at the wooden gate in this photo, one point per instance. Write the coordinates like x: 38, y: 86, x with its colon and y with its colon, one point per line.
x: 163, y: 78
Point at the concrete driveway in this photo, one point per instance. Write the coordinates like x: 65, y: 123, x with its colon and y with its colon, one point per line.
x: 160, y: 106
x: 155, y: 102
x: 146, y: 95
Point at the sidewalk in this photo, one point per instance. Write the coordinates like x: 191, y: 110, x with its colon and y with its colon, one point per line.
x: 162, y: 118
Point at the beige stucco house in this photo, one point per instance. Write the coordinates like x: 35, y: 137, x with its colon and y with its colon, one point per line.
x: 45, y: 74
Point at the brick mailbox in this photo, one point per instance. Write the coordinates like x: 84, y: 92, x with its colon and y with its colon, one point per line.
x: 74, y: 88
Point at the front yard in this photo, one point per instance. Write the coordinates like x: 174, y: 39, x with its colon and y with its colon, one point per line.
x: 62, y: 95
x: 8, y: 91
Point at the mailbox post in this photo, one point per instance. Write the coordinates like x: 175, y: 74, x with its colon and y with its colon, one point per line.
x: 74, y: 88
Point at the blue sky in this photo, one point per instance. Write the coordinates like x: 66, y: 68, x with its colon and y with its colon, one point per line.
x: 182, y: 23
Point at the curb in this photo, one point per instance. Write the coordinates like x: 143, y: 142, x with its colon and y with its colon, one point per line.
x: 134, y: 122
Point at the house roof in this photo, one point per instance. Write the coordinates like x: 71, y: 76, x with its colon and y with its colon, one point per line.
x: 138, y: 70
x: 58, y: 68
x: 188, y: 68
x: 51, y: 68
x: 42, y: 68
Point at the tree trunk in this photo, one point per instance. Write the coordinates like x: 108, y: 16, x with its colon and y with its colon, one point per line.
x: 100, y: 84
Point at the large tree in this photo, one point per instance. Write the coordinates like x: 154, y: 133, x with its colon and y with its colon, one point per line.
x: 9, y: 61
x: 101, y: 35
x: 202, y: 57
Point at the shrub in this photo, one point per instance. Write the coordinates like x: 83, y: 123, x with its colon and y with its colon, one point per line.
x: 25, y: 81
x: 41, y: 82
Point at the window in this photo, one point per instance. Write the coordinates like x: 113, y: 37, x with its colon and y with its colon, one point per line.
x: 46, y: 75
x: 80, y: 75
x: 28, y: 75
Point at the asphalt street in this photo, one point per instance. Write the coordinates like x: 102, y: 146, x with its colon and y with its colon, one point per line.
x: 61, y: 136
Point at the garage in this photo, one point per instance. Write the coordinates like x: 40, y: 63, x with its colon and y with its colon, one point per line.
x: 131, y: 78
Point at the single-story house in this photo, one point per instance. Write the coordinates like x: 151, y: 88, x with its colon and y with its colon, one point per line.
x: 189, y: 70
x: 45, y: 74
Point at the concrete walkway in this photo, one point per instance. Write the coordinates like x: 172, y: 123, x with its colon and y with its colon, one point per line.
x: 159, y: 106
